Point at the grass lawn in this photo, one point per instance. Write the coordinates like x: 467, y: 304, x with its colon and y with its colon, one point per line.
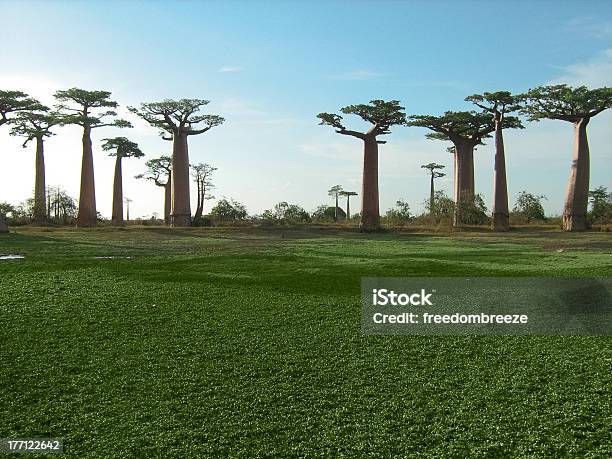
x: 247, y: 343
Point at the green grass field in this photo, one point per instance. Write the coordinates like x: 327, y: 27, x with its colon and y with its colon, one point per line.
x: 247, y: 343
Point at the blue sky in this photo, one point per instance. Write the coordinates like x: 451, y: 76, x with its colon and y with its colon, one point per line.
x: 270, y: 67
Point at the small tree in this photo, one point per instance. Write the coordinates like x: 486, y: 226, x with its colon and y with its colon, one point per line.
x: 334, y: 192
x: 601, y: 205
x: 88, y: 109
x: 577, y: 106
x: 434, y: 173
x: 120, y: 148
x: 348, y: 195
x: 36, y: 126
x: 499, y: 104
x: 227, y: 210
x: 381, y: 115
x: 179, y: 119
x: 159, y: 172
x: 285, y: 212
x: 400, y: 213
x: 443, y: 208
x: 529, y: 206
x: 202, y: 173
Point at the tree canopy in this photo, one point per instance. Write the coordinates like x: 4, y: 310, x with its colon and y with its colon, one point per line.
x: 492, y: 102
x: 381, y: 114
x: 432, y: 168
x: 156, y: 169
x: 86, y: 108
x: 34, y: 124
x: 122, y: 147
x: 470, y: 126
x: 563, y: 102
x: 178, y: 116
x: 16, y: 101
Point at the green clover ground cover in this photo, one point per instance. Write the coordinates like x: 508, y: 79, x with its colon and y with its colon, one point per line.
x: 247, y: 343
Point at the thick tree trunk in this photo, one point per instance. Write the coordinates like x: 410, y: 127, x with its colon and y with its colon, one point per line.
x: 40, y: 196
x: 370, y: 217
x: 500, y: 220
x: 200, y: 208
x: 464, y: 177
x: 348, y: 207
x: 87, y: 215
x: 577, y: 195
x: 118, y: 194
x: 168, y: 200
x: 432, y: 194
x: 336, y: 209
x: 181, y: 207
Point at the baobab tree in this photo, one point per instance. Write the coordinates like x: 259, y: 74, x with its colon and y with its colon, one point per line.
x: 159, y: 172
x: 36, y: 125
x: 334, y: 192
x: 434, y: 173
x: 179, y: 118
x: 348, y: 195
x: 120, y: 148
x: 87, y: 109
x: 499, y: 104
x: 382, y: 115
x: 465, y: 130
x: 12, y: 102
x: 202, y: 173
x: 578, y: 106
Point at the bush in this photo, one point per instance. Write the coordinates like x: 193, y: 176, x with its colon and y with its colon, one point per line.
x: 230, y: 210
x: 601, y: 206
x: 398, y: 215
x: 528, y: 207
x: 472, y: 211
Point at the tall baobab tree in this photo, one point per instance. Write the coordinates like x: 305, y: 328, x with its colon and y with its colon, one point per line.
x: 578, y: 106
x: 159, y: 172
x: 120, y: 148
x: 334, y: 192
x: 12, y: 102
x: 36, y: 126
x: 179, y: 118
x: 433, y: 170
x: 127, y: 203
x: 381, y: 115
x: 87, y: 109
x: 202, y: 173
x: 499, y: 104
x: 465, y: 130
x: 348, y: 195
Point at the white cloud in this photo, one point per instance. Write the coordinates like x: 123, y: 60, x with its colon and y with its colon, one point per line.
x: 590, y: 27
x: 594, y: 73
x: 230, y: 69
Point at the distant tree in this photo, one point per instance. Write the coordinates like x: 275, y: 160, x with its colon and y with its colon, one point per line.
x: 202, y: 173
x: 465, y: 130
x: 443, y: 207
x: 529, y: 206
x: 601, y: 205
x: 499, y: 104
x: 61, y: 206
x: 399, y: 213
x: 5, y: 209
x: 348, y: 195
x: 36, y: 125
x: 229, y: 210
x: 578, y: 106
x: 88, y: 110
x: 178, y: 119
x: 319, y: 213
x: 285, y: 212
x: 334, y: 192
x: 432, y: 168
x: 120, y: 148
x: 381, y: 115
x: 159, y: 172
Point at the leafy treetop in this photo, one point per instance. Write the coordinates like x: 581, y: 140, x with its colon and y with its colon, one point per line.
x: 498, y: 103
x: 468, y: 126
x: 156, y: 169
x: 34, y: 125
x: 122, y: 147
x: 563, y: 102
x: 178, y: 116
x: 16, y: 101
x: 347, y: 193
x: 381, y: 114
x: 79, y: 107
x: 432, y: 168
x: 334, y: 190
